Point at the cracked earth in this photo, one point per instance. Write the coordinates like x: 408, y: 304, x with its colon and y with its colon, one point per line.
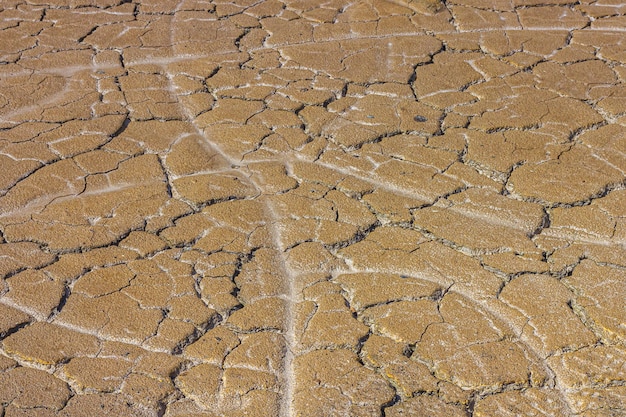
x: 312, y: 208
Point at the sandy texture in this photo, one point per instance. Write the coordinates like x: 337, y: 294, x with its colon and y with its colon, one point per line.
x: 312, y: 208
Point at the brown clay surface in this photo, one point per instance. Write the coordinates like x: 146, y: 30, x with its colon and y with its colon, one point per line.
x: 312, y: 208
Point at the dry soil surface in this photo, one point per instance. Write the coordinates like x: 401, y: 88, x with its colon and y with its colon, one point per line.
x: 312, y: 208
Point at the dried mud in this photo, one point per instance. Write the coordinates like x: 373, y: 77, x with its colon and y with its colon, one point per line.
x: 304, y: 208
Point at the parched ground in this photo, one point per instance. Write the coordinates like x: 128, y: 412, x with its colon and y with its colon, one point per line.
x: 312, y: 208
